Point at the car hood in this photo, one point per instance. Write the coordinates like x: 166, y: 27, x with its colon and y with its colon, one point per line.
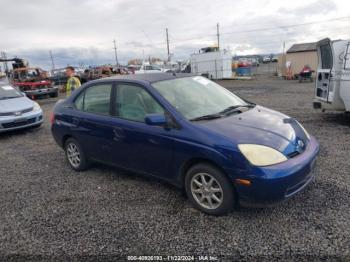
x: 15, y: 104
x: 261, y: 126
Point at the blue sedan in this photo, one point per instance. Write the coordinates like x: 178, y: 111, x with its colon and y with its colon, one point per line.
x: 188, y: 131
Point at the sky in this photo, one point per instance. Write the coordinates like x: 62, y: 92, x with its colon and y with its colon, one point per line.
x: 82, y: 31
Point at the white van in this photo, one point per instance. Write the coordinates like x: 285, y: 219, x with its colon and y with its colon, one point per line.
x: 332, y: 91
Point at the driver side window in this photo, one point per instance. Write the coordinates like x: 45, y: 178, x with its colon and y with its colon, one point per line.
x: 134, y: 103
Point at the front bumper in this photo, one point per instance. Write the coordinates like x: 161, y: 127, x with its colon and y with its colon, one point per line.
x: 29, y: 119
x: 43, y: 91
x: 275, y: 183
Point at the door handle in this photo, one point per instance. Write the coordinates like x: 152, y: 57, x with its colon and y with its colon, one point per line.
x: 75, y: 121
x: 118, y: 133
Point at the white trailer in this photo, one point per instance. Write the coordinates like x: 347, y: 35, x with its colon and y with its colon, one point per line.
x: 332, y: 91
x: 215, y: 65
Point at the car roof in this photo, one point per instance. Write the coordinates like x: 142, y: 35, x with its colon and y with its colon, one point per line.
x: 150, y: 78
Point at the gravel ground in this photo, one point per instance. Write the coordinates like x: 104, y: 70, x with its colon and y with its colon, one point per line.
x: 49, y: 212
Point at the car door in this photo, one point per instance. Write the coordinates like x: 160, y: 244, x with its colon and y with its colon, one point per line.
x: 324, y: 89
x: 93, y: 121
x: 140, y: 147
x: 345, y: 78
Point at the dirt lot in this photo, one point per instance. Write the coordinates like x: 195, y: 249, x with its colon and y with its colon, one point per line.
x: 50, y: 212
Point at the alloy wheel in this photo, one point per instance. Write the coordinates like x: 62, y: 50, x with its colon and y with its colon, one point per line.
x: 206, y: 191
x: 73, y: 155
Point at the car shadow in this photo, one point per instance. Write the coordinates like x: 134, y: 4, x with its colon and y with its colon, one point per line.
x: 180, y: 203
x: 336, y: 118
x: 18, y: 132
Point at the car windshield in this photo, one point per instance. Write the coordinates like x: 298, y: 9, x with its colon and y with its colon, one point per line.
x: 196, y: 97
x: 7, y: 92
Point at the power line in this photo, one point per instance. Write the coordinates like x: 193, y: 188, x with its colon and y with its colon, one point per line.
x: 286, y: 26
x: 261, y: 29
x: 270, y: 35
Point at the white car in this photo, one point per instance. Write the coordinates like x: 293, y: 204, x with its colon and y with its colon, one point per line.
x: 16, y: 110
x: 147, y: 68
x: 266, y: 60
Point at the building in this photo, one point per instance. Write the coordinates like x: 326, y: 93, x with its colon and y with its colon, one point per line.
x: 298, y: 55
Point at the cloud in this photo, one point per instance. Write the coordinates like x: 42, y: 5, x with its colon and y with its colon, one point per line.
x: 83, y: 30
x: 313, y: 8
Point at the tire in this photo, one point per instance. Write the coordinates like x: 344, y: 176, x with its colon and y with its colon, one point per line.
x: 78, y: 162
x: 224, y: 190
x: 54, y: 94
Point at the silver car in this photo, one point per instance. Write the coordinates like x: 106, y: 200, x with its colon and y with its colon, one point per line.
x: 16, y: 110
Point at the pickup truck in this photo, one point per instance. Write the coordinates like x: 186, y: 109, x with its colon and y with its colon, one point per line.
x: 33, y: 81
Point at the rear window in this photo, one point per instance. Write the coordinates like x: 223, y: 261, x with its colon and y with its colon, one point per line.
x: 96, y: 99
x: 326, y: 56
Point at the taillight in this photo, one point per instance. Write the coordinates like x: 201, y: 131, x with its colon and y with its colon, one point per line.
x: 52, y: 118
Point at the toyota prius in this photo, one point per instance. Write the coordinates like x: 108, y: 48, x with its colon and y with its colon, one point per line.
x: 191, y: 132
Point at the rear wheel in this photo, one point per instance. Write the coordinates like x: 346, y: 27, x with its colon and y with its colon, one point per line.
x: 209, y: 190
x: 75, y: 155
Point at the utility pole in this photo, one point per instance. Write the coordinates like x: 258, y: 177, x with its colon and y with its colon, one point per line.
x: 218, y: 35
x: 53, y: 64
x: 115, y: 52
x: 167, y: 43
x: 3, y: 55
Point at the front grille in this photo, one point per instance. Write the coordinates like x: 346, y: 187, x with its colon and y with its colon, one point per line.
x: 18, y: 124
x: 293, y: 154
x: 17, y: 112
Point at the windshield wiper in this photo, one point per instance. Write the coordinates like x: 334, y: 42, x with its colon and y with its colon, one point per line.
x: 224, y: 112
x: 206, y: 117
x: 233, y: 108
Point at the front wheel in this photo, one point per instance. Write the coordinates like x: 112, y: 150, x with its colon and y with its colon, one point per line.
x: 54, y: 94
x: 75, y: 155
x: 209, y: 190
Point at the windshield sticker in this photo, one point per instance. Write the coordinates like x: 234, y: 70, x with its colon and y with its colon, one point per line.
x: 7, y: 88
x: 201, y: 80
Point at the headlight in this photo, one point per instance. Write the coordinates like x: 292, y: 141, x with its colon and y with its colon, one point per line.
x: 306, y: 133
x: 36, y: 107
x: 259, y: 155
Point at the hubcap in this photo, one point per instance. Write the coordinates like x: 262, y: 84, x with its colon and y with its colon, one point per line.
x: 73, y: 155
x: 206, y: 190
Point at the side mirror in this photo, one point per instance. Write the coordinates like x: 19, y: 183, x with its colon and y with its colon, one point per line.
x: 155, y: 120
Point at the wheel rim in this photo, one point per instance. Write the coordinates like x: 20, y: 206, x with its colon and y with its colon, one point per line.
x: 73, y: 155
x: 207, y: 191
